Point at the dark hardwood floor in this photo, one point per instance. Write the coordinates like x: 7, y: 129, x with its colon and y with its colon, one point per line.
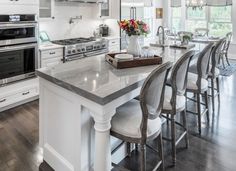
x: 214, y: 150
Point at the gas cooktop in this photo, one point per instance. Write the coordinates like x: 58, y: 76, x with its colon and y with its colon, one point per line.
x: 74, y: 41
x: 82, y: 47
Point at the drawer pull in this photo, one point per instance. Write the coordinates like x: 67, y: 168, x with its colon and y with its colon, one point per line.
x: 25, y: 93
x: 3, y: 100
x: 52, y: 53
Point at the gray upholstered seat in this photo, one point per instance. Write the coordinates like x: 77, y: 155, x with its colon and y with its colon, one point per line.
x: 192, y: 82
x: 128, y: 119
x: 180, y: 100
x: 198, y: 84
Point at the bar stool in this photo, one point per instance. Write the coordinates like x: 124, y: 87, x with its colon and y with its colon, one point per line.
x: 175, y: 100
x: 198, y: 83
x: 225, y: 49
x: 138, y: 121
x: 215, y: 72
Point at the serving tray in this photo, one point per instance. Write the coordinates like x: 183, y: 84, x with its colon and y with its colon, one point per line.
x: 136, y: 62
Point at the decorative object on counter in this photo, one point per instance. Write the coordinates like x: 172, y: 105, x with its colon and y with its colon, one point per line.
x: 135, y: 62
x: 134, y: 29
x: 159, y: 13
x: 43, y: 37
x: 185, y: 37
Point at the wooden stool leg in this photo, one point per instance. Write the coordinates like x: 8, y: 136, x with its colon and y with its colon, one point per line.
x: 136, y: 147
x: 218, y: 87
x: 143, y: 157
x: 207, y: 106
x: 213, y: 94
x: 199, y: 113
x: 129, y: 149
x: 186, y: 128
x: 173, y: 139
x: 161, y: 154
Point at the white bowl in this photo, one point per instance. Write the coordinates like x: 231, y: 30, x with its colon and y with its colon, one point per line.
x: 124, y: 57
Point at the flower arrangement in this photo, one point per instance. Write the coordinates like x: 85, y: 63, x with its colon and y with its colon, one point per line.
x: 134, y: 27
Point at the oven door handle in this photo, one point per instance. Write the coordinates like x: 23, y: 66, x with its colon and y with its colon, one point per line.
x: 9, y: 26
x: 18, y: 47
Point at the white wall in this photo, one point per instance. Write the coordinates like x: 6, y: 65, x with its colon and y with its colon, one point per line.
x: 59, y: 28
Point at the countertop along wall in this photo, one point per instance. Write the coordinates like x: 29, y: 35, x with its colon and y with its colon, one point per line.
x: 59, y: 28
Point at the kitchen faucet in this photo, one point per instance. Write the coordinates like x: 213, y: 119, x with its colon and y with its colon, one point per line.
x: 161, y: 39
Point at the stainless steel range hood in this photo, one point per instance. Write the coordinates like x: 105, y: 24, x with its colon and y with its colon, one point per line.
x: 83, y: 1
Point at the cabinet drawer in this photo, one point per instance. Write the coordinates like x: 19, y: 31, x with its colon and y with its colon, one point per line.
x: 52, y: 53
x: 51, y: 62
x: 114, y: 42
x: 19, y: 96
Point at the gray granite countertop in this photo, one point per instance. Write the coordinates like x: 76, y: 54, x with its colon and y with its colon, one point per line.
x: 96, y: 80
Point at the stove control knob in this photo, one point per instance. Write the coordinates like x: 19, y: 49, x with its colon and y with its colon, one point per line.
x: 95, y: 47
x: 69, y: 52
x: 83, y: 49
x: 73, y: 51
x: 78, y: 50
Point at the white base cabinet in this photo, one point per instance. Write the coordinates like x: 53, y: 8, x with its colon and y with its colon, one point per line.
x: 18, y: 93
x: 51, y: 55
x: 114, y: 45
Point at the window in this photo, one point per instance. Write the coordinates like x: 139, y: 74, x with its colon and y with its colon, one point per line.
x: 176, y: 18
x: 220, y: 21
x: 196, y: 19
x: 217, y: 19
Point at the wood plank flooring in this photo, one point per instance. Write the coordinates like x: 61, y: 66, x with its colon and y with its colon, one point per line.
x: 215, y: 150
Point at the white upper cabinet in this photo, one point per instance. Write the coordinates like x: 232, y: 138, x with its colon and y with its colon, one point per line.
x: 46, y: 9
x: 20, y: 2
x: 110, y: 9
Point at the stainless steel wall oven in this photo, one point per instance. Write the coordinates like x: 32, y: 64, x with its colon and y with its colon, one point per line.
x: 18, y: 47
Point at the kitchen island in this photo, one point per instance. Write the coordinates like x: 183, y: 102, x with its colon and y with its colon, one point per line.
x: 77, y: 102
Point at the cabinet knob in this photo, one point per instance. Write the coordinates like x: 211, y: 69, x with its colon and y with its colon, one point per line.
x: 25, y: 93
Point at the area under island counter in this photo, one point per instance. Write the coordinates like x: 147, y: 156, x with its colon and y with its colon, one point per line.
x: 77, y: 102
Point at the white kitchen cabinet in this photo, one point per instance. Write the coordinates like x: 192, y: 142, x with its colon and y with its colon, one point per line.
x: 19, y: 7
x: 50, y: 55
x: 114, y: 45
x: 20, y: 2
x: 46, y: 9
x: 18, y: 93
x: 110, y: 9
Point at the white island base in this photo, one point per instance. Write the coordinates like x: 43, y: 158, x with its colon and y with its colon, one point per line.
x: 67, y: 134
